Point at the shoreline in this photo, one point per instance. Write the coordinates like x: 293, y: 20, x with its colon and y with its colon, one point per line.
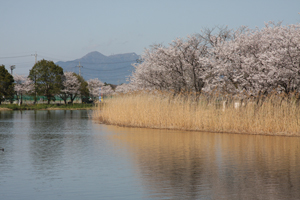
x: 5, y: 109
x: 272, y: 117
x: 12, y: 107
x: 202, y: 131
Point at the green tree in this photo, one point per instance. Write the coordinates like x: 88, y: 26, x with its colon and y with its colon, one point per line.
x: 6, y: 84
x: 47, y: 78
x: 84, y: 91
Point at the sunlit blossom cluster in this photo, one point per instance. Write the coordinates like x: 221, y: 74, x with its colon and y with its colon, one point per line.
x: 23, y: 85
x: 238, y: 61
x: 94, y: 86
x: 71, y: 86
x: 126, y: 88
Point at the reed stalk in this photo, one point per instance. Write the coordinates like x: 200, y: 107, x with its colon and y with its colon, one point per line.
x: 272, y: 115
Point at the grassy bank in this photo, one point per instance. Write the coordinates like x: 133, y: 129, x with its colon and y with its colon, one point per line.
x: 46, y: 106
x: 272, y: 116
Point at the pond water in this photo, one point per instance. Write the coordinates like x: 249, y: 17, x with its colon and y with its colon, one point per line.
x: 66, y: 155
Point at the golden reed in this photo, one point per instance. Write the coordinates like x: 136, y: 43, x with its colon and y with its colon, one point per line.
x: 273, y: 115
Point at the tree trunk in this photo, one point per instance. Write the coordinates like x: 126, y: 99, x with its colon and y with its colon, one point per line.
x: 72, y: 97
x: 21, y: 101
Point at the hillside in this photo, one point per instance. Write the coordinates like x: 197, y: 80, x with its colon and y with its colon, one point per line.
x: 112, y: 69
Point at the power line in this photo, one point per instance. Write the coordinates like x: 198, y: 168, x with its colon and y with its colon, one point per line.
x: 108, y: 72
x: 82, y: 62
x: 35, y: 56
x: 101, y: 63
x: 55, y: 56
x: 107, y: 63
x: 105, y: 75
x: 14, y: 56
x: 69, y: 67
x: 101, y: 70
x: 28, y: 62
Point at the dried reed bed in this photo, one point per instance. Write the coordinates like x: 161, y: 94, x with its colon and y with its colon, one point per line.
x: 273, y: 115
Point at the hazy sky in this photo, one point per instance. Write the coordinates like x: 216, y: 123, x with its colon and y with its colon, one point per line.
x: 62, y: 30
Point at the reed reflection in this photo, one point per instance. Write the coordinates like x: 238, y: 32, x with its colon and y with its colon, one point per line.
x: 190, y: 165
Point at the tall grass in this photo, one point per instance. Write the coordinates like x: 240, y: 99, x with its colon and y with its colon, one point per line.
x: 273, y: 115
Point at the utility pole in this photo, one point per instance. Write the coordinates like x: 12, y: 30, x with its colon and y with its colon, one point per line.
x: 79, y: 68
x: 35, y: 55
x: 35, y: 61
x: 12, y: 67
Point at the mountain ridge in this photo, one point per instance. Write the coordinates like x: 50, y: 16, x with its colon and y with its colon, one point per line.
x: 114, y: 69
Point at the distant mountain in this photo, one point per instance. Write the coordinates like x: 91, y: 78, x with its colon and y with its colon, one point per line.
x: 112, y: 69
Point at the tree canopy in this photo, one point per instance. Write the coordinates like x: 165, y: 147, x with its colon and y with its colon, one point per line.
x: 83, y: 90
x: 6, y: 84
x: 48, y: 78
x: 94, y: 86
x: 23, y: 85
x: 71, y: 87
x: 237, y: 62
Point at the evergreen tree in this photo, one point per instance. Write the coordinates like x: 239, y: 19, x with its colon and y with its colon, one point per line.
x: 48, y: 79
x: 84, y: 91
x: 6, y: 84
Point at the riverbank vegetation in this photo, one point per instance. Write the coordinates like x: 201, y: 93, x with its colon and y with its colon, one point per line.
x: 48, y: 82
x: 221, y: 80
x: 272, y: 115
x: 75, y: 106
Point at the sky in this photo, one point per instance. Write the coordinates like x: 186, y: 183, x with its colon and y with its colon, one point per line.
x: 64, y: 30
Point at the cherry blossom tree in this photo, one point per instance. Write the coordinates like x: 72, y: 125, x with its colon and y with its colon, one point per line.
x: 183, y: 66
x: 126, y: 88
x: 94, y: 86
x: 107, y: 90
x: 176, y: 67
x: 260, y: 61
x: 255, y: 62
x: 23, y: 85
x: 71, y: 87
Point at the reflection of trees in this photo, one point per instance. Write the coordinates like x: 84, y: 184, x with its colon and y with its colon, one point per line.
x: 51, y: 132
x: 190, y: 165
x: 46, y: 141
x: 6, y: 139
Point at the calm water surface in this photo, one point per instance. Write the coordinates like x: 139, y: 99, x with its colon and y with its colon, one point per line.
x: 65, y: 155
